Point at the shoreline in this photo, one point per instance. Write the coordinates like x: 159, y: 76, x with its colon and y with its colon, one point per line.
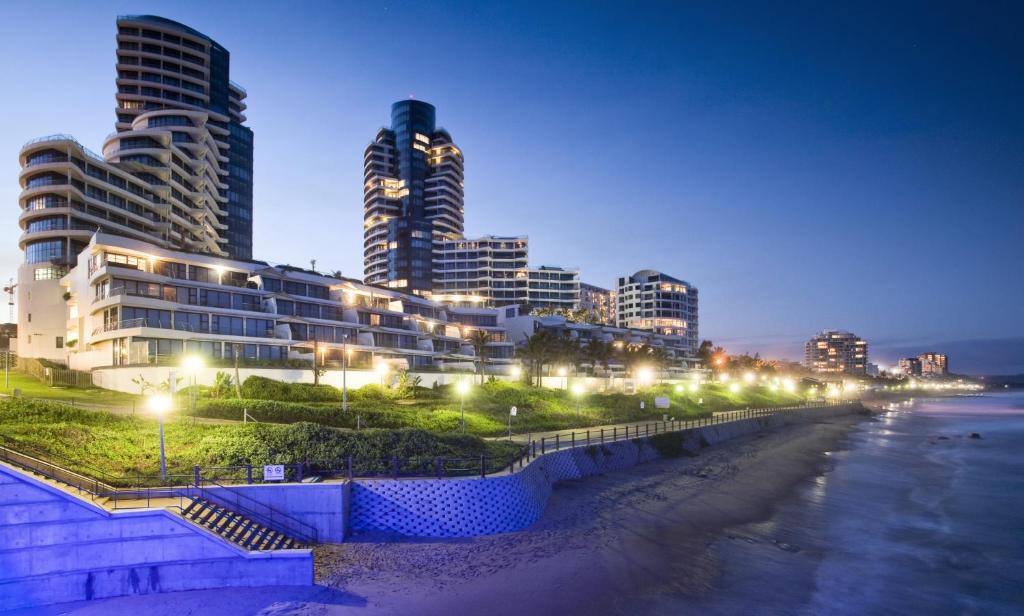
x: 644, y: 531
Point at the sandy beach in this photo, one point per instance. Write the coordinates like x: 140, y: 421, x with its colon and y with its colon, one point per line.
x: 601, y: 542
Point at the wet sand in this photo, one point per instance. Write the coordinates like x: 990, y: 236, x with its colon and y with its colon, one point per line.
x: 602, y: 542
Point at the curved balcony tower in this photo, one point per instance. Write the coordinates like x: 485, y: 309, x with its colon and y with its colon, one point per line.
x: 412, y: 198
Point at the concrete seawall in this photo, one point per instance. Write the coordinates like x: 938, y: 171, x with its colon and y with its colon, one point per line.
x: 56, y: 547
x: 473, y: 507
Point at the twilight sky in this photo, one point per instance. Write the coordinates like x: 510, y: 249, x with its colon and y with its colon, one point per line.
x: 806, y: 167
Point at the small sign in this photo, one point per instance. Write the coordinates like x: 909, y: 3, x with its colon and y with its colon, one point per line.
x: 642, y: 405
x: 512, y: 411
x: 661, y: 403
x: 273, y: 472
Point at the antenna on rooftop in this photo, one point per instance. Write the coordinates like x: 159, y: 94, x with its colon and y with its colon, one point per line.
x: 312, y: 264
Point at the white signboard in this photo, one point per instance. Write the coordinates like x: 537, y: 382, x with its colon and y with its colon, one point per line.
x: 661, y: 403
x: 273, y: 472
x: 512, y: 411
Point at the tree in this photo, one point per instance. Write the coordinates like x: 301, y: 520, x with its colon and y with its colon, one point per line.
x: 704, y: 352
x: 539, y: 350
x: 600, y: 353
x: 479, y: 339
x: 569, y: 351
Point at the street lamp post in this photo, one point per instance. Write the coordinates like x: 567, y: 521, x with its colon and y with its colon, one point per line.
x: 562, y: 372
x: 462, y: 387
x: 577, y: 391
x: 160, y: 404
x: 344, y: 373
x: 382, y: 370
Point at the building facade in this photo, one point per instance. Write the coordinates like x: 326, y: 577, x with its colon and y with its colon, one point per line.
x: 170, y: 175
x: 654, y: 301
x: 676, y: 347
x: 598, y: 302
x: 910, y: 366
x: 133, y: 303
x: 493, y: 271
x: 164, y: 65
x: 836, y: 352
x: 489, y: 269
x: 553, y: 287
x: 934, y: 364
x: 412, y: 198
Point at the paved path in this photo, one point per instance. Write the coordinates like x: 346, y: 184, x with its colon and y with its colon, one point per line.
x: 621, y: 431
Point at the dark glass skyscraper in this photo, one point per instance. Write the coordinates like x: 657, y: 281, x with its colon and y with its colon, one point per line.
x: 412, y: 200
x: 162, y: 64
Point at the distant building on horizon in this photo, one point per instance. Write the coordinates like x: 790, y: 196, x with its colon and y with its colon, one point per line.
x: 934, y: 364
x: 836, y: 352
x: 910, y: 366
x: 653, y: 301
x: 599, y: 302
x: 412, y: 198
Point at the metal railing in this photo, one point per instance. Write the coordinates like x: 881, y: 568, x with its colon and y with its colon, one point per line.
x: 148, y: 488
x: 599, y: 436
x: 97, y: 485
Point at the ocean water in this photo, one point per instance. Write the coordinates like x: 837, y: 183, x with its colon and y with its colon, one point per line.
x: 913, y: 517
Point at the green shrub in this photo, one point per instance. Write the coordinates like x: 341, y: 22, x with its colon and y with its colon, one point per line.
x: 261, y: 388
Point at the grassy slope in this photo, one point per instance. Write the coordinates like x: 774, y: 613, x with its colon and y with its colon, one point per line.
x: 93, y: 441
x: 33, y: 388
x: 487, y: 408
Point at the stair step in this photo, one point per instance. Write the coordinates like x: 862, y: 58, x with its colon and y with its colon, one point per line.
x: 236, y: 527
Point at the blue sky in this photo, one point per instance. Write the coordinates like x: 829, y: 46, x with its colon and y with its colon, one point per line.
x: 806, y: 167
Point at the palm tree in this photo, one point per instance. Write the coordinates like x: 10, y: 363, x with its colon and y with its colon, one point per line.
x: 479, y: 339
x: 538, y: 351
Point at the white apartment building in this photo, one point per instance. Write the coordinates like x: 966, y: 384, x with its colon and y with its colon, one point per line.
x: 134, y: 303
x: 658, y: 302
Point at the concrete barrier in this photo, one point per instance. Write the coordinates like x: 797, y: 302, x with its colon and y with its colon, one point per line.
x: 472, y: 507
x: 320, y: 505
x: 56, y: 547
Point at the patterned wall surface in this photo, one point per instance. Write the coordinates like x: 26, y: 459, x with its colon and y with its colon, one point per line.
x: 472, y: 507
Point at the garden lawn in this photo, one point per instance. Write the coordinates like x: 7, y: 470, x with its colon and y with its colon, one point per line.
x: 117, y: 449
x: 32, y: 387
x: 486, y: 406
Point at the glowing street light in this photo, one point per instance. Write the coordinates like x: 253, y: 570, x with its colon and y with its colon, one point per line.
x: 562, y: 372
x: 724, y: 377
x: 463, y: 388
x: 749, y: 377
x: 382, y: 370
x: 516, y: 372
x: 578, y: 390
x: 160, y: 404
x: 735, y: 388
x: 789, y: 385
x: 679, y: 389
x: 694, y: 387
x: 644, y: 375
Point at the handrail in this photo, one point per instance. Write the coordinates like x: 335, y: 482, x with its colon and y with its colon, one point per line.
x: 273, y: 517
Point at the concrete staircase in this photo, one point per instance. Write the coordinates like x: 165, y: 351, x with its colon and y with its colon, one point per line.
x: 237, y: 528
x: 57, y: 545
